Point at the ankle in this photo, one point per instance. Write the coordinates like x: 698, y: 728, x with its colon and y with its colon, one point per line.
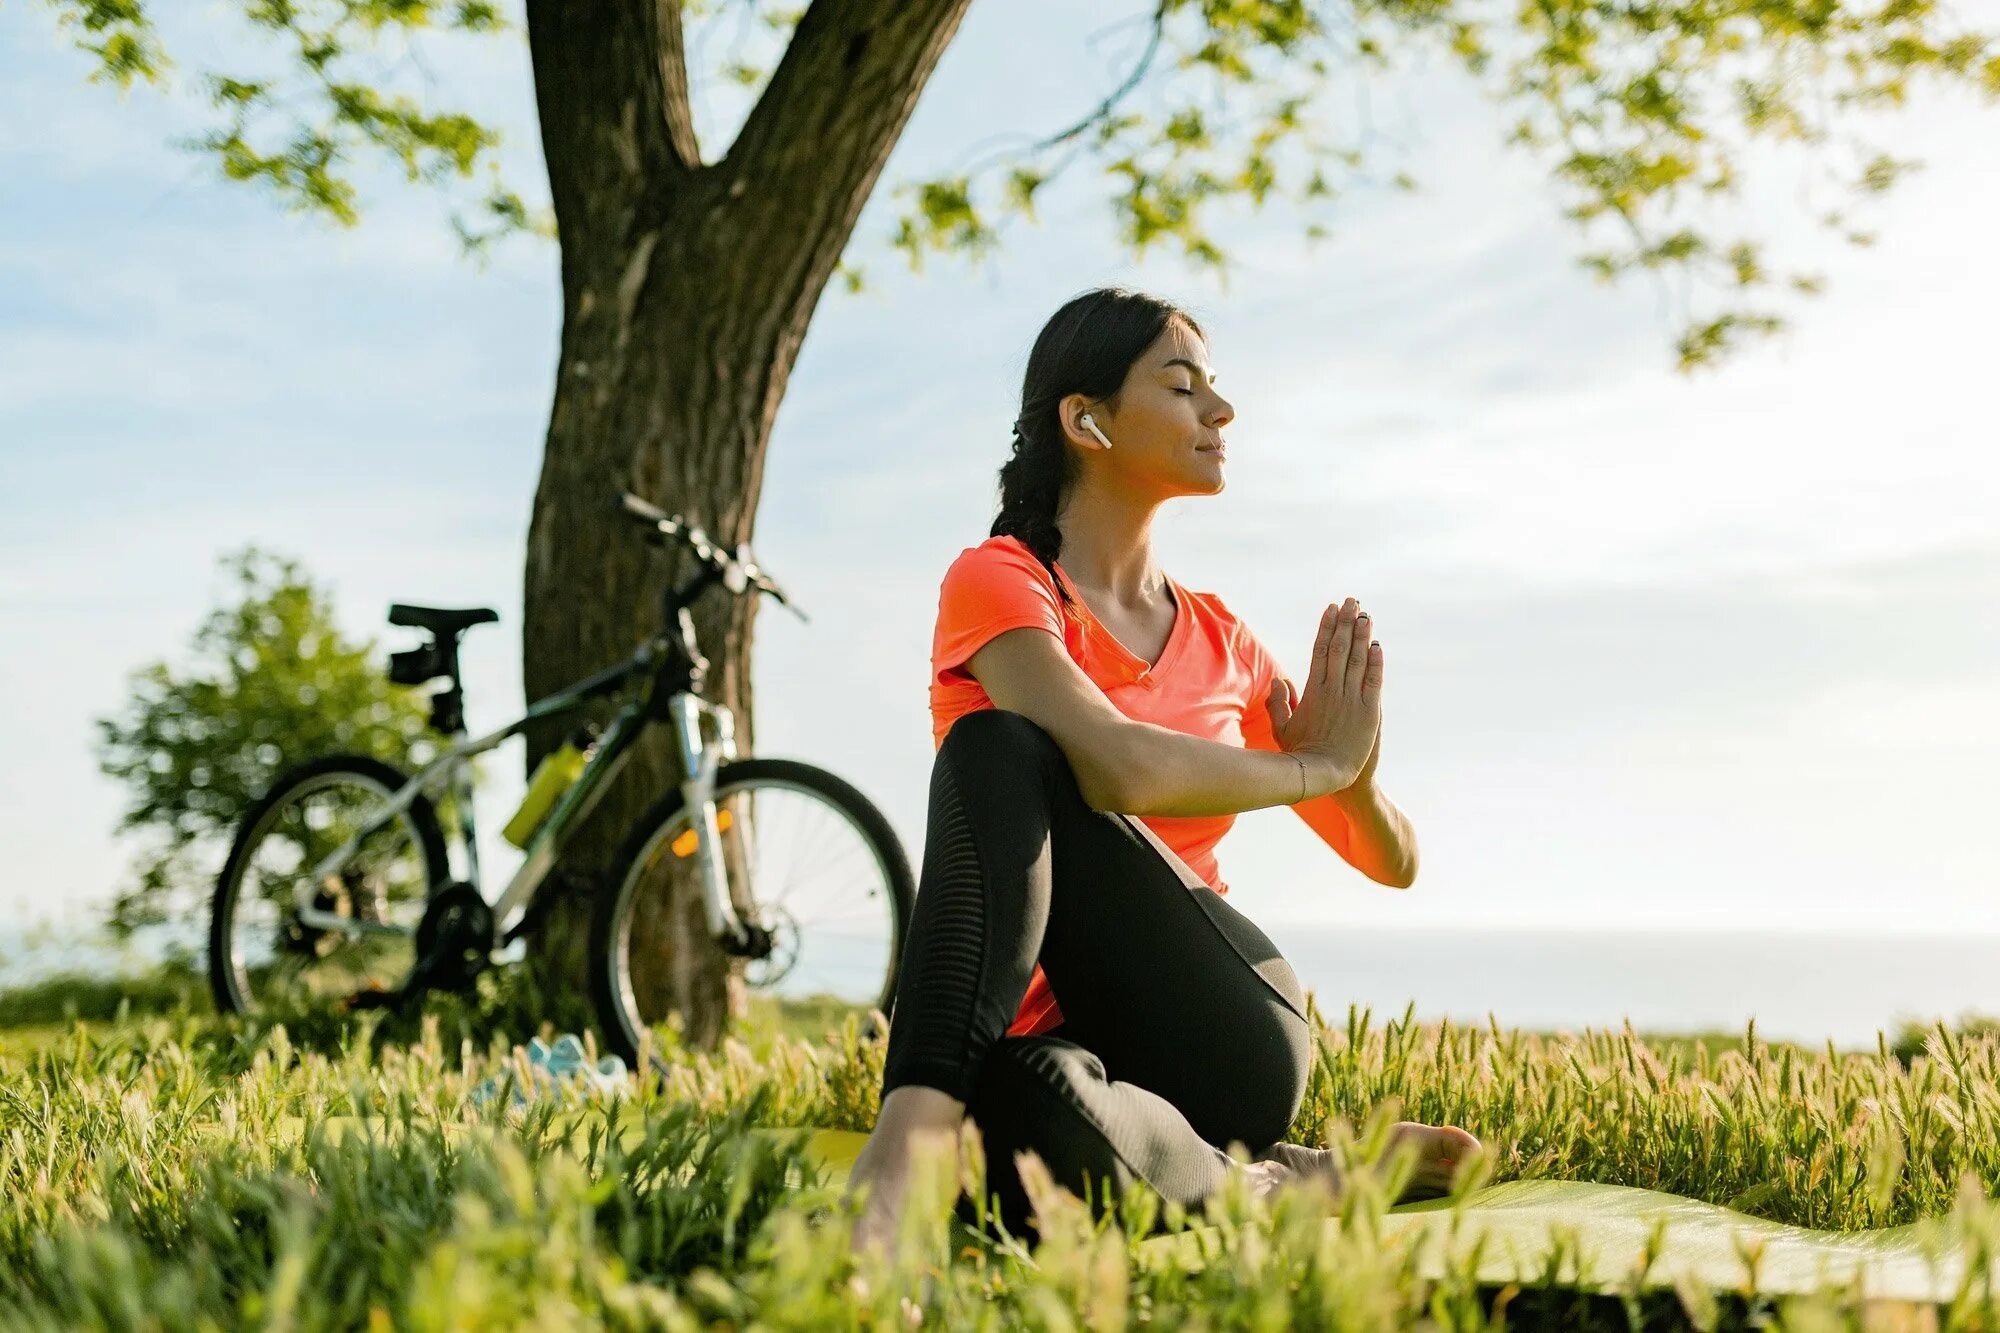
x: 1266, y: 1176
x: 921, y: 1107
x: 914, y: 1110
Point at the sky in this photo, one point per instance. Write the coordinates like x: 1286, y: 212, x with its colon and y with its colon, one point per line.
x: 1715, y: 652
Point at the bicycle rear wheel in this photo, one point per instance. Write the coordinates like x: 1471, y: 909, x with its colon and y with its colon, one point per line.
x: 261, y: 957
x: 822, y: 866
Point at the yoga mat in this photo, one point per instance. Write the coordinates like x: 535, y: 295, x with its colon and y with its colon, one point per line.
x: 1521, y: 1222
x: 1521, y: 1219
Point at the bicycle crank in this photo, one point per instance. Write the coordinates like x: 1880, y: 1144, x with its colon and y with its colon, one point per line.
x: 454, y: 944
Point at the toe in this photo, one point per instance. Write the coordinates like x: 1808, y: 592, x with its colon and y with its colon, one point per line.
x: 1446, y: 1148
x: 1459, y: 1143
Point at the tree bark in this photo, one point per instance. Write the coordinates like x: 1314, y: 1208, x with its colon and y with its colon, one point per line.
x: 687, y: 291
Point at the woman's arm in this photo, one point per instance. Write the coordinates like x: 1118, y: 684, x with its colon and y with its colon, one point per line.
x: 1172, y: 773
x: 1177, y: 774
x: 1135, y: 768
x: 1379, y: 841
x: 1374, y: 837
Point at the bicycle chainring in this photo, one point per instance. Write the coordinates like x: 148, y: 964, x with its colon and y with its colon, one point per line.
x: 455, y: 938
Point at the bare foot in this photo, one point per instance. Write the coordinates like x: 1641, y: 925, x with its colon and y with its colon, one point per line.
x: 1440, y: 1150
x: 912, y: 1117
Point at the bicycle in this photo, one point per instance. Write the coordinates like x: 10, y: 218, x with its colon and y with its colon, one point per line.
x: 332, y: 920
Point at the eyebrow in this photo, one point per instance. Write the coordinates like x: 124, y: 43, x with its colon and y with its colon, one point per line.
x: 1183, y: 361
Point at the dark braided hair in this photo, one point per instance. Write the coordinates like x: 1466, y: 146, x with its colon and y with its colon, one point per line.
x: 1087, y: 347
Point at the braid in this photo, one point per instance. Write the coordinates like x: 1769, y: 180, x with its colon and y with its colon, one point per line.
x: 1032, y: 483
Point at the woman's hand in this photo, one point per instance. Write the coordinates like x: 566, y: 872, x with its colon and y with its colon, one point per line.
x: 1336, y: 725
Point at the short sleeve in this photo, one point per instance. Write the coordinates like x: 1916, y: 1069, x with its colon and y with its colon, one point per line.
x: 989, y: 589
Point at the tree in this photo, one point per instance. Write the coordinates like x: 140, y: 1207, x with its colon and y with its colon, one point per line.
x: 689, y: 279
x: 270, y: 682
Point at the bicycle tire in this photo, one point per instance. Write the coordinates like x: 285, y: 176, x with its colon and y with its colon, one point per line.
x: 615, y: 1020
x: 423, y: 817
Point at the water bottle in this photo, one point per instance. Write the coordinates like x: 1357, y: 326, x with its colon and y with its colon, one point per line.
x: 557, y: 772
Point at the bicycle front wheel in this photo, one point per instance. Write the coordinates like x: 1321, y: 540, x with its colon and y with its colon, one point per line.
x: 807, y: 854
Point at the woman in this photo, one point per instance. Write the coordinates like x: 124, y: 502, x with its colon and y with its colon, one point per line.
x: 1073, y: 978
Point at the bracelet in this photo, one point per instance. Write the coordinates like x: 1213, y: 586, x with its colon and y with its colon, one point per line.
x: 1302, y: 777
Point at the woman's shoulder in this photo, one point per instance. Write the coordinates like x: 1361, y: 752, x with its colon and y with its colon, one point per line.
x: 998, y: 556
x: 998, y: 572
x: 1002, y: 544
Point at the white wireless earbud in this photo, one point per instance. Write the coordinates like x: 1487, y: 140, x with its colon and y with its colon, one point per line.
x: 1091, y: 426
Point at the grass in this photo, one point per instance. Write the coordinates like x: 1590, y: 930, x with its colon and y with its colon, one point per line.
x: 161, y: 1168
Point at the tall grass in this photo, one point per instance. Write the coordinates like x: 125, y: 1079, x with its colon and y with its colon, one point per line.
x: 182, y: 1172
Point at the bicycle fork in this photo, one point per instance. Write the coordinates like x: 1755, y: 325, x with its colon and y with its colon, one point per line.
x: 700, y: 762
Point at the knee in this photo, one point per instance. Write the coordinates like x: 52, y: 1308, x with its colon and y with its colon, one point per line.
x: 991, y: 730
x: 1000, y: 741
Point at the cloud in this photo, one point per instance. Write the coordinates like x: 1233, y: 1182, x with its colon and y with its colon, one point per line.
x: 1654, y: 643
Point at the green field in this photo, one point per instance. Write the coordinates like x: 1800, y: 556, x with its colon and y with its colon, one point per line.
x: 160, y: 1168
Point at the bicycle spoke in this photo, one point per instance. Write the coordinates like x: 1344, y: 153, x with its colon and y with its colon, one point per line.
x: 819, y: 882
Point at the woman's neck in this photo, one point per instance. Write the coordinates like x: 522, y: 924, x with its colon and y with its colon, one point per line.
x: 1107, y: 547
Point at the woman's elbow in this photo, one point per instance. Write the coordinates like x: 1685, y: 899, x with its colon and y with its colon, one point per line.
x: 1109, y: 776
x: 1110, y: 790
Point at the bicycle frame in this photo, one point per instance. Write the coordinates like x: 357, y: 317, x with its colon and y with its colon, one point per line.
x: 699, y: 761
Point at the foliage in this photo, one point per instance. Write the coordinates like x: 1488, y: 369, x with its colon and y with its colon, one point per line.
x: 1648, y: 115
x: 68, y: 996
x: 186, y: 1172
x: 297, y: 132
x: 270, y: 682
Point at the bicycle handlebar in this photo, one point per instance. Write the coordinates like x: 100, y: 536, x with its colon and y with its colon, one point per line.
x: 739, y: 568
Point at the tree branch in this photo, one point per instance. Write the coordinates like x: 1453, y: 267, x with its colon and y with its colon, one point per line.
x: 675, y: 106
x: 608, y: 109
x: 1118, y: 94
x: 839, y: 99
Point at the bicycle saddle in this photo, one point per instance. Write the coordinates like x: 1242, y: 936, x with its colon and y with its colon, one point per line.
x: 440, y: 621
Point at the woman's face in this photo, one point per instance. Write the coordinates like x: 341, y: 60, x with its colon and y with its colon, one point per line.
x: 1166, y: 431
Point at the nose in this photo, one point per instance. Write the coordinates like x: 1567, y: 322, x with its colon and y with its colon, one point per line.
x: 1222, y: 414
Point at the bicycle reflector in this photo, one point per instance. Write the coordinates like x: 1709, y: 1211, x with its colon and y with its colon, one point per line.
x: 685, y: 844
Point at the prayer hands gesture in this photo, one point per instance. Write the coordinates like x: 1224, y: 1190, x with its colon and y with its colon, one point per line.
x: 1336, y: 725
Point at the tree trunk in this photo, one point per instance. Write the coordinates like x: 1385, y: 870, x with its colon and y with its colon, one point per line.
x: 687, y: 290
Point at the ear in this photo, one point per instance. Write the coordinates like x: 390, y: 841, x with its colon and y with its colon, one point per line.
x: 1070, y: 413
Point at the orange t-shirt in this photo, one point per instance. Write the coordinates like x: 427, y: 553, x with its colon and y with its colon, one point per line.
x: 1211, y: 681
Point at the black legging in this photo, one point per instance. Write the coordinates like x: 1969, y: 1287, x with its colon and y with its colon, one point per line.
x: 1183, y: 1027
